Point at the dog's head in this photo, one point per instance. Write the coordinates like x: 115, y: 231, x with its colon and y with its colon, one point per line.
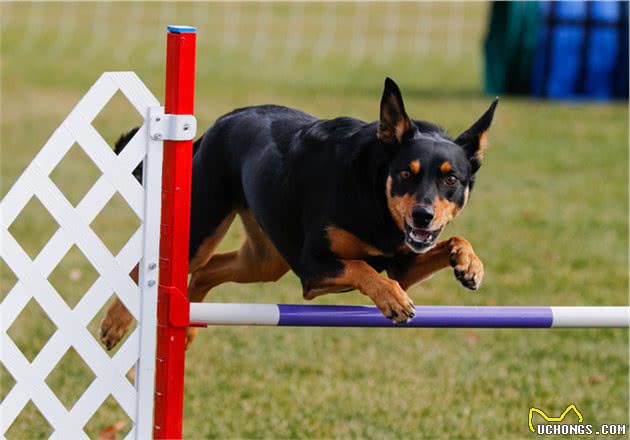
x: 430, y: 175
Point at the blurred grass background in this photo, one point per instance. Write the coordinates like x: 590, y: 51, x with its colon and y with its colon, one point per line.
x: 548, y: 216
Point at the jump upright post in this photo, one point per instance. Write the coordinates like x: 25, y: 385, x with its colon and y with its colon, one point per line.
x: 157, y: 346
x: 173, y: 305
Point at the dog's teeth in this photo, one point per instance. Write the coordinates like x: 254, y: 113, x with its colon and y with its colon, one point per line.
x: 421, y: 235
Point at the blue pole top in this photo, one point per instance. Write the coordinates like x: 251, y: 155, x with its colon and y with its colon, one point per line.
x: 181, y: 29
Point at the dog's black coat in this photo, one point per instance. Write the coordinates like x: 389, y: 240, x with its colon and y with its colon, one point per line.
x: 298, y: 175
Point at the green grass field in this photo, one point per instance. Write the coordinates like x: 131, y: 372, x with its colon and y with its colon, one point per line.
x: 548, y: 216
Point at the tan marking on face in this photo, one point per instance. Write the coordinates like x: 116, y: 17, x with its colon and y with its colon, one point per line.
x: 414, y: 166
x: 445, y: 211
x: 347, y: 245
x: 446, y: 167
x: 399, y: 206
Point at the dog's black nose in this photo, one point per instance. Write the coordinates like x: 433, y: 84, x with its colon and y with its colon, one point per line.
x: 422, y: 216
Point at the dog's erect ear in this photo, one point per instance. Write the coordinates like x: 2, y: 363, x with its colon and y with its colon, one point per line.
x: 474, y: 140
x: 394, y: 122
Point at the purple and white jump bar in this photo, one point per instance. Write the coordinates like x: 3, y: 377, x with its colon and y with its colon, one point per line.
x: 297, y: 315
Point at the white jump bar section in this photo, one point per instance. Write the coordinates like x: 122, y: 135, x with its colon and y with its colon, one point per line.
x: 235, y: 314
x: 590, y: 317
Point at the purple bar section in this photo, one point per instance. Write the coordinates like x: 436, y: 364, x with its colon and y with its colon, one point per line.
x: 426, y: 316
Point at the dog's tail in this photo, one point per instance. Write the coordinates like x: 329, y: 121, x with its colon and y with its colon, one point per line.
x: 124, y: 139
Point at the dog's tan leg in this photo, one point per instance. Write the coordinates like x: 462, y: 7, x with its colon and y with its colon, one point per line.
x: 257, y: 260
x: 209, y: 245
x: 456, y: 252
x: 386, y: 293
x: 117, y: 319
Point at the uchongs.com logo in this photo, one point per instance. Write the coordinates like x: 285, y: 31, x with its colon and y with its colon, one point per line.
x: 554, y: 425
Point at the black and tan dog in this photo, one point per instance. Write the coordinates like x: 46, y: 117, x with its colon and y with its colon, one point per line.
x: 337, y: 201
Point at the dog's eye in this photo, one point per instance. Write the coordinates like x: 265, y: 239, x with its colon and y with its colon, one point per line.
x: 450, y: 180
x: 405, y: 174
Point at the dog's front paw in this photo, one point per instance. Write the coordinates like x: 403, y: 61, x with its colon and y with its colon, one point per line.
x: 466, y: 264
x: 395, y: 304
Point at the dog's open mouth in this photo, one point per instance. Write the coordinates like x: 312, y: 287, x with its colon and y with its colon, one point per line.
x: 420, y: 240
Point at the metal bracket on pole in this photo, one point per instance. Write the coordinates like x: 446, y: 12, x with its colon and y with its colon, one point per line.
x: 168, y: 127
x: 179, y: 307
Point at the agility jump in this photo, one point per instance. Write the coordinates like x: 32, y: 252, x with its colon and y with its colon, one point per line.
x: 164, y: 143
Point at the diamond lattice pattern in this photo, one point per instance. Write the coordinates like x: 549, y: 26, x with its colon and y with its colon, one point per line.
x: 33, y: 271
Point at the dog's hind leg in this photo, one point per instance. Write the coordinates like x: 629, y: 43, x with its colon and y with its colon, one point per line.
x: 117, y: 319
x: 257, y: 260
x: 205, y: 250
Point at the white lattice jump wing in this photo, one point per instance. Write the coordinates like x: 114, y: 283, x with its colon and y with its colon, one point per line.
x: 74, y: 228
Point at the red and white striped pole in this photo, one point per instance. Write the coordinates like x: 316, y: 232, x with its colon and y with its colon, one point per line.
x: 173, y: 305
